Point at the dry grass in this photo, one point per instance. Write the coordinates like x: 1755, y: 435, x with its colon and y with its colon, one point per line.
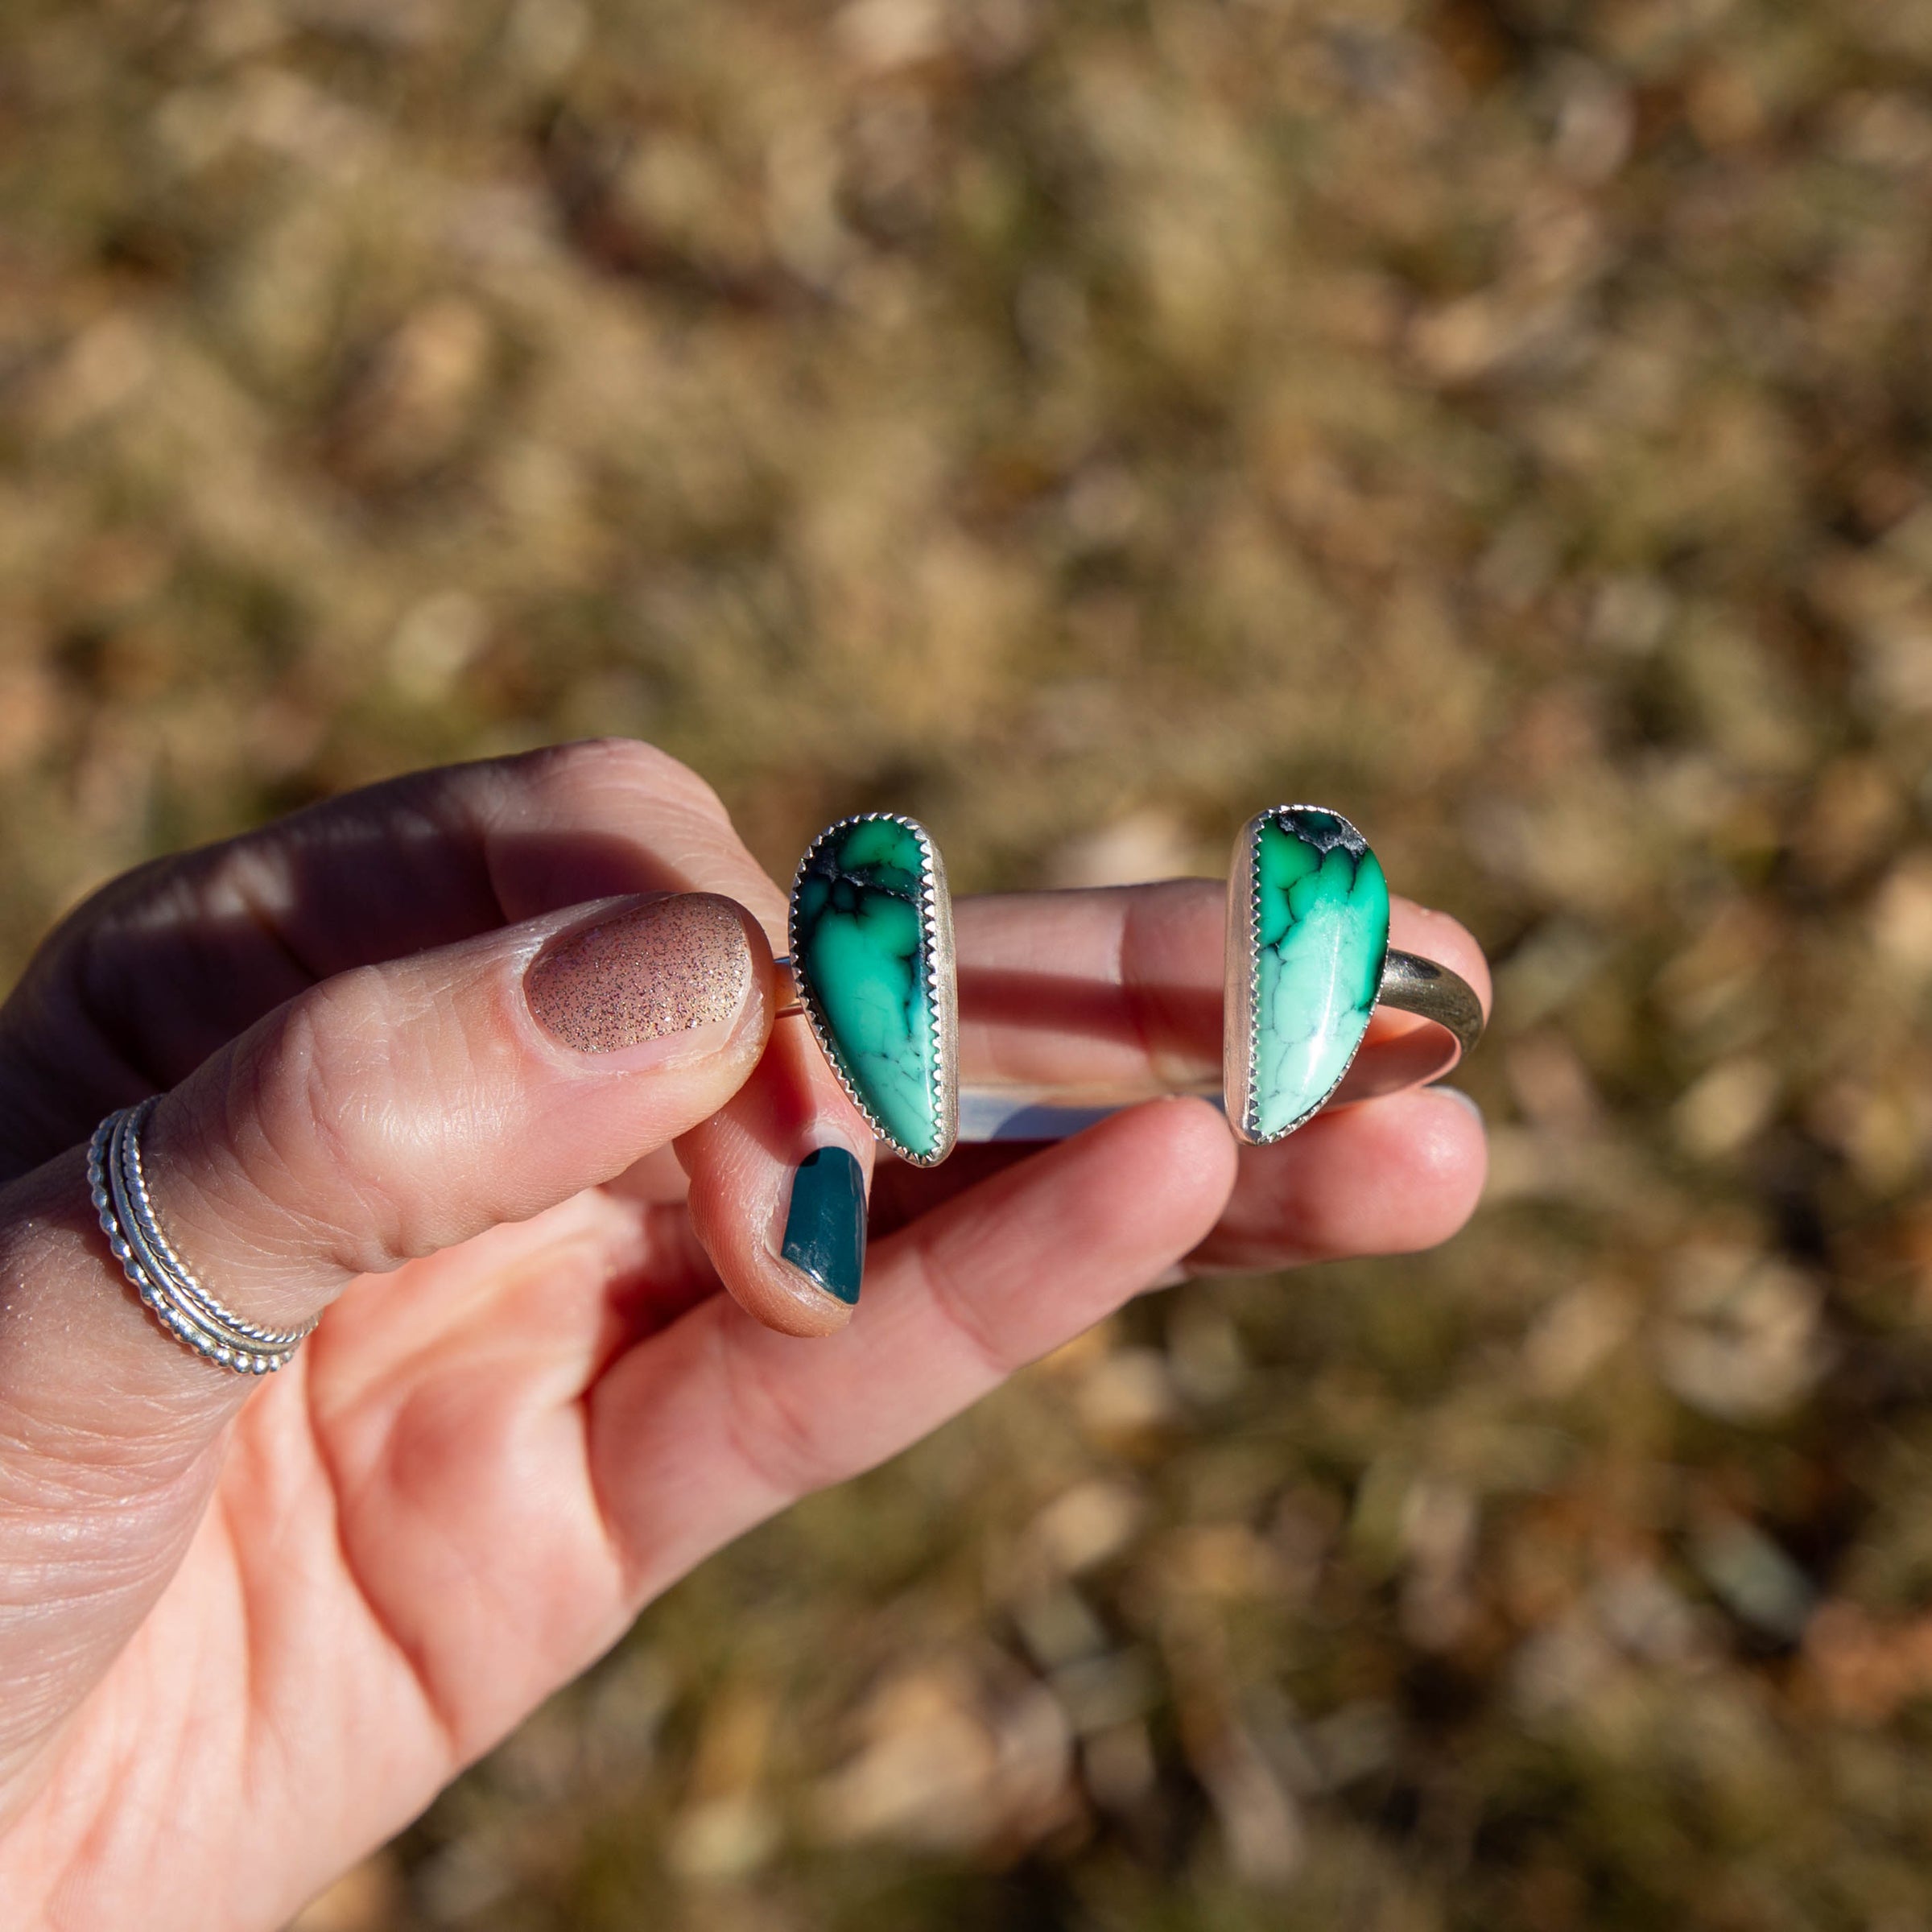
x: 1080, y: 426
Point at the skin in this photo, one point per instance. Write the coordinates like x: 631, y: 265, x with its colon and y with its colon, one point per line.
x: 247, y: 1629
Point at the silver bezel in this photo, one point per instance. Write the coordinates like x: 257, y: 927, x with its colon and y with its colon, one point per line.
x: 1241, y: 987
x: 942, y: 987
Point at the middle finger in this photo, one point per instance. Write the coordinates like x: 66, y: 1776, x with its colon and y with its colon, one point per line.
x: 1118, y: 991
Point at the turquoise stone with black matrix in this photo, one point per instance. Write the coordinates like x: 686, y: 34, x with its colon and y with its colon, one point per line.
x: 862, y: 948
x: 1321, y: 935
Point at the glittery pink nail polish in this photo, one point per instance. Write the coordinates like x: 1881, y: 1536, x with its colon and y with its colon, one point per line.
x: 641, y: 971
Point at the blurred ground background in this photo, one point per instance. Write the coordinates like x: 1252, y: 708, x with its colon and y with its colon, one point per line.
x: 1080, y: 425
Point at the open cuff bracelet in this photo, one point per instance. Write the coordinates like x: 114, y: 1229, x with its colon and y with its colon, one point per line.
x: 1308, y: 963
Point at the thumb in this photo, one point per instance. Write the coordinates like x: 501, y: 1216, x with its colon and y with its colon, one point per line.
x: 401, y: 1108
x: 379, y: 1115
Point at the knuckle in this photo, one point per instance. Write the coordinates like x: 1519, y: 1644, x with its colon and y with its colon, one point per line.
x: 629, y: 766
x: 319, y: 1127
x: 958, y: 1309
x: 778, y: 1438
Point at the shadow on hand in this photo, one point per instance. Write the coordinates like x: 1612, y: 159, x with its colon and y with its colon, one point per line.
x: 166, y: 964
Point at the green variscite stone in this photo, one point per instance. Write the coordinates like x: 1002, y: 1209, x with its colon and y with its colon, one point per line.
x: 1321, y: 936
x: 859, y: 943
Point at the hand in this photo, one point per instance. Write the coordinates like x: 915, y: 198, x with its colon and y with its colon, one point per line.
x: 247, y: 1629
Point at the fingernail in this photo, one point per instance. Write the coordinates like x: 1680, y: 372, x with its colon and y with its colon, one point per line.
x: 1456, y: 1093
x: 663, y: 967
x: 825, y: 1225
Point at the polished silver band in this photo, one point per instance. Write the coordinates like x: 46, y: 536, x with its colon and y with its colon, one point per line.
x: 1411, y: 983
x: 163, y: 1280
x: 793, y: 1005
x: 1415, y: 1058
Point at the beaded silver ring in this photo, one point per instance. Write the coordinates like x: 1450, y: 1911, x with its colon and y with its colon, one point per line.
x: 166, y: 1285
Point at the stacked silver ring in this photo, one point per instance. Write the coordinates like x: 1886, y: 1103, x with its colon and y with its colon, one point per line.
x: 163, y: 1280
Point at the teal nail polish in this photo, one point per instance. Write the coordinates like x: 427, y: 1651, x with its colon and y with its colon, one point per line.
x: 825, y: 1225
